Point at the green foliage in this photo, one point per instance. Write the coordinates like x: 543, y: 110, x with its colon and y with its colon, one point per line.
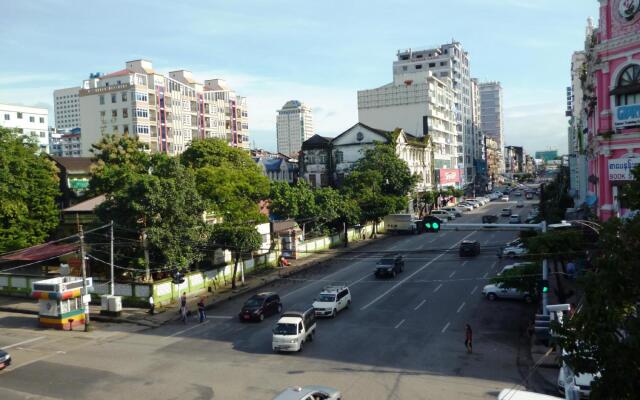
x: 523, y: 277
x: 555, y: 199
x: 604, y: 335
x: 561, y: 245
x: 29, y: 186
x: 395, y: 177
x: 240, y: 240
x: 630, y: 193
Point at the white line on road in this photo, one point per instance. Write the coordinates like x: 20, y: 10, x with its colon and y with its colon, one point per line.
x: 461, y: 306
x: 485, y: 275
x: 399, y: 323
x: 186, y: 330
x: 438, y: 288
x: 419, y: 305
x: 361, y: 279
x: 465, y: 263
x: 452, y: 274
x: 220, y: 316
x: 474, y: 290
x: 493, y: 265
x: 413, y: 274
x: 445, y: 327
x: 433, y: 240
x: 23, y: 342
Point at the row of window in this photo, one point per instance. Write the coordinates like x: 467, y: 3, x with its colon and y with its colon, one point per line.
x: 32, y: 119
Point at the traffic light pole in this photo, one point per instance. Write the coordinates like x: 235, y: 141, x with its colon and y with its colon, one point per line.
x: 545, y: 275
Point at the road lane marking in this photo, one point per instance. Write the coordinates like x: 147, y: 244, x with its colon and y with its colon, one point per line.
x: 452, y: 274
x: 445, y: 327
x: 493, y: 265
x: 220, y: 316
x: 485, y: 275
x: 465, y: 263
x: 399, y: 324
x: 433, y: 240
x: 361, y: 279
x: 392, y: 288
x: 419, y: 305
x: 438, y: 288
x: 186, y: 330
x: 460, y: 308
x: 21, y: 343
x: 474, y: 290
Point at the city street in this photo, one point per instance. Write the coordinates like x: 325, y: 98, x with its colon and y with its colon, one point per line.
x: 402, y: 338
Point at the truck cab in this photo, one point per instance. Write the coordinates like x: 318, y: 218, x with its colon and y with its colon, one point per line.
x: 293, y: 329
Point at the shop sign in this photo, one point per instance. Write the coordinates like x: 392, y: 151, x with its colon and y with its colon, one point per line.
x: 620, y: 169
x: 448, y: 176
x: 627, y: 116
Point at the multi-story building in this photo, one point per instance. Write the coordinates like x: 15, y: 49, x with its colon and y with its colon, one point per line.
x: 481, y: 178
x: 577, y: 140
x: 165, y: 112
x: 55, y: 142
x: 276, y: 166
x: 529, y: 166
x: 492, y: 115
x: 32, y: 121
x: 422, y: 107
x: 294, y: 125
x: 447, y: 61
x: 66, y: 106
x: 493, y: 156
x: 547, y: 155
x: 611, y: 85
x: 513, y: 160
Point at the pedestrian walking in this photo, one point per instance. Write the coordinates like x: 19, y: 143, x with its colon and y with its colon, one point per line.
x: 201, y: 310
x: 152, y: 307
x: 468, y: 341
x: 183, y: 307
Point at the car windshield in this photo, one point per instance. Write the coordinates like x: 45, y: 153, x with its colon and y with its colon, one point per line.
x: 386, y: 261
x: 326, y: 298
x: 285, y: 329
x: 253, y: 302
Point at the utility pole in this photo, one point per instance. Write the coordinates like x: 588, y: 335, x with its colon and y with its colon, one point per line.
x: 112, y: 277
x: 545, y: 276
x: 84, y: 281
x: 147, y: 271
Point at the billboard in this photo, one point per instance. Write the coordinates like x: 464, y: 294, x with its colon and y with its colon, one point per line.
x: 627, y: 116
x: 620, y: 168
x: 449, y: 176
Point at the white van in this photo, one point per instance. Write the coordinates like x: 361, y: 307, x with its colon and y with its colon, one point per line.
x: 400, y: 223
x: 512, y: 394
x: 293, y: 329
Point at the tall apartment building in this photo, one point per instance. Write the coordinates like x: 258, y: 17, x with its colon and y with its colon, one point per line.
x: 66, y: 106
x: 478, y: 152
x: 294, y: 125
x: 493, y: 156
x: 164, y: 112
x: 578, y: 165
x: 33, y: 121
x: 420, y: 106
x: 447, y: 61
x: 492, y: 115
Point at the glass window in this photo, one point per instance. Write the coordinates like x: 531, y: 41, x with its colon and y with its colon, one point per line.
x: 32, y: 119
x: 114, y: 113
x: 7, y: 117
x: 19, y: 115
x: 42, y: 120
x: 125, y: 113
x: 629, y: 86
x: 113, y: 98
x: 124, y: 96
x: 101, y: 99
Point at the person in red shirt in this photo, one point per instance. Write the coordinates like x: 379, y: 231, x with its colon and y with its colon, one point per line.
x: 468, y: 342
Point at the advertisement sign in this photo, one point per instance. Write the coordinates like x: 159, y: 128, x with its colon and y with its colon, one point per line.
x: 620, y: 168
x: 448, y: 176
x: 627, y: 116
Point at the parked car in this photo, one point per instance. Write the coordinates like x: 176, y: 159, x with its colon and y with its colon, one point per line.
x: 515, y: 251
x: 517, y: 193
x: 457, y: 212
x: 442, y: 214
x: 528, y: 195
x: 582, y: 381
x: 497, y: 291
x: 469, y: 248
x: 5, y: 359
x: 309, y: 393
x: 332, y: 300
x: 389, y: 266
x: 259, y: 306
x: 489, y: 219
x: 504, y: 198
x: 505, y: 212
x: 465, y: 206
x: 515, y: 219
x: 293, y: 330
x: 520, y: 204
x: 510, y: 267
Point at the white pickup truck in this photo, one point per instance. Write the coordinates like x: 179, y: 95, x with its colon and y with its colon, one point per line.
x: 293, y: 329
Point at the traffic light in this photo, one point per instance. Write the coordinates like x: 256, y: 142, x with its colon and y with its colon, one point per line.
x: 543, y: 286
x: 178, y: 278
x: 431, y: 224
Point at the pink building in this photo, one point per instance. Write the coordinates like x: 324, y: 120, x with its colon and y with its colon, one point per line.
x: 611, y: 83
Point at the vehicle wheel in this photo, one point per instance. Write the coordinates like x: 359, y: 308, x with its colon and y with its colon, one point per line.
x: 348, y: 304
x: 279, y: 308
x: 334, y: 313
x: 311, y: 337
x: 301, y: 345
x: 492, y: 296
x: 528, y: 299
x: 261, y: 317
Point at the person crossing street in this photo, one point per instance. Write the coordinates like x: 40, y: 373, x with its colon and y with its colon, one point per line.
x: 468, y: 342
x: 201, y: 313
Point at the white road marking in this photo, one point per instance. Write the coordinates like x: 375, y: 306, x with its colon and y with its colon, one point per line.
x: 452, y: 274
x: 186, y: 330
x: 413, y: 274
x: 433, y: 240
x: 220, y: 316
x: 485, y: 275
x: 23, y: 342
x: 399, y: 324
x: 419, y: 305
x: 438, y: 288
x: 361, y: 279
x: 474, y: 290
x: 465, y: 263
x: 461, y: 306
x: 445, y: 327
x: 493, y: 265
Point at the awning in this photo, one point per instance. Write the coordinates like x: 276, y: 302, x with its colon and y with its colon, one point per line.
x: 591, y: 200
x: 41, y: 252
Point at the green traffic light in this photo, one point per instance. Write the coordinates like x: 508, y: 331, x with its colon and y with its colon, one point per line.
x: 545, y: 289
x: 436, y: 225
x: 428, y: 225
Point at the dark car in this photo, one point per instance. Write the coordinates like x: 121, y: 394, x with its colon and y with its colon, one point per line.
x: 389, y: 266
x: 259, y: 306
x: 469, y: 248
x: 5, y: 359
x: 489, y: 219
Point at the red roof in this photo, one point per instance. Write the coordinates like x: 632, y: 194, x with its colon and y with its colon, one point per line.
x: 41, y: 252
x: 117, y: 73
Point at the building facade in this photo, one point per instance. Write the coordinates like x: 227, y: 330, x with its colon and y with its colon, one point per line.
x: 294, y: 125
x: 276, y: 166
x: 611, y: 85
x: 576, y: 139
x: 66, y: 106
x: 493, y: 156
x: 166, y: 112
x: 32, y: 121
x: 492, y: 114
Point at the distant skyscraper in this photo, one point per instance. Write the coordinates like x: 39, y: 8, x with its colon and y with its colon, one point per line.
x: 294, y: 125
x: 66, y: 105
x: 491, y: 111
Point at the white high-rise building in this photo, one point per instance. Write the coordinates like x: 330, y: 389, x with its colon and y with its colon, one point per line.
x: 447, y: 61
x: 578, y: 117
x: 33, y: 121
x: 294, y: 125
x: 491, y: 110
x: 66, y: 105
x: 164, y: 112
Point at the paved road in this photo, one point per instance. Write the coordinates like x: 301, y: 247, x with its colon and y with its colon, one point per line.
x: 401, y: 339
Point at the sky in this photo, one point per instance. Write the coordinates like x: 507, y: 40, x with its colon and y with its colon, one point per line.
x: 318, y: 52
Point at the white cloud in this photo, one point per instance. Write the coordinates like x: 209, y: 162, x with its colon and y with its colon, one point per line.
x: 536, y: 126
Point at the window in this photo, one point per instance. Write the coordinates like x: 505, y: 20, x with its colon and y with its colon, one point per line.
x: 7, y: 117
x: 339, y: 157
x: 628, y: 90
x: 101, y: 99
x: 142, y: 113
x: 419, y: 66
x: 42, y: 120
x: 141, y: 97
x: 432, y: 65
x: 404, y: 67
x: 114, y: 113
x: 125, y: 129
x: 142, y: 129
x: 42, y: 134
x: 19, y: 115
x: 125, y: 113
x: 32, y: 119
x: 113, y: 98
x: 124, y: 96
x: 103, y: 113
x: 115, y: 128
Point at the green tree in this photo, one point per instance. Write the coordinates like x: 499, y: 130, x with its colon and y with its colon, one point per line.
x: 523, y: 278
x: 554, y: 197
x: 630, y: 193
x: 29, y: 186
x: 239, y: 240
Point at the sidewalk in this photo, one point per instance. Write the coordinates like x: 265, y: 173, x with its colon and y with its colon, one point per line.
x: 164, y: 314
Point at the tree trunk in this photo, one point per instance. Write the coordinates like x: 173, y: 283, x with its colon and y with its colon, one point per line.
x: 562, y: 297
x: 373, y: 230
x: 235, y: 270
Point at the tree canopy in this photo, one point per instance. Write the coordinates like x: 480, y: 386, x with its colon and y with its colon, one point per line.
x: 29, y: 186
x: 238, y: 239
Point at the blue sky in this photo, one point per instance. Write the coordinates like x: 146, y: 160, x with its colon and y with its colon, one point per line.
x: 320, y: 52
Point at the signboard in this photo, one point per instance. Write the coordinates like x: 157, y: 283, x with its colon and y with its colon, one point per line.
x: 448, y: 176
x: 620, y: 168
x: 627, y: 116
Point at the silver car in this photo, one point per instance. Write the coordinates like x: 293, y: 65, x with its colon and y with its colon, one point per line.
x: 309, y: 393
x: 496, y: 291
